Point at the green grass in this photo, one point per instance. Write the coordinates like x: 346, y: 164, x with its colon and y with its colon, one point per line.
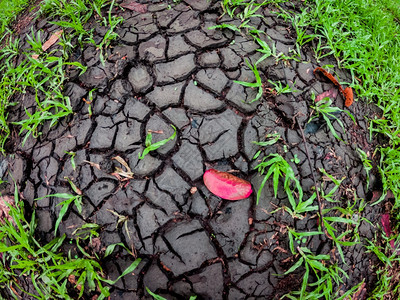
x: 257, y: 85
x: 323, y: 108
x: 9, y: 10
x: 49, y: 270
x: 363, y: 36
x: 43, y: 71
x: 158, y: 297
x: 278, y: 167
x: 69, y: 199
x: 154, y: 146
x: 46, y: 267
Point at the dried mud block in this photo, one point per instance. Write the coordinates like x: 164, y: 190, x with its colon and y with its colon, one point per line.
x: 140, y: 79
x: 231, y: 226
x: 153, y: 50
x: 167, y: 95
x: 175, y: 70
x: 191, y: 244
x: 170, y: 181
x: 199, y: 100
x: 213, y: 79
x: 218, y: 135
x: 189, y: 160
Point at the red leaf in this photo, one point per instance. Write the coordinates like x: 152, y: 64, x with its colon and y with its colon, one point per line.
x: 226, y: 185
x: 376, y: 195
x: 385, y: 220
x: 361, y: 293
x: 140, y: 8
x: 332, y: 93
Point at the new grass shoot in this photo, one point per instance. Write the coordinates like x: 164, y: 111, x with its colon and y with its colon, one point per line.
x: 324, y: 109
x: 278, y: 167
x: 152, y: 147
x: 256, y: 85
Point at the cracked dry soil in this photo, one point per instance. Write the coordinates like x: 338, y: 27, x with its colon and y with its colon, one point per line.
x: 167, y: 68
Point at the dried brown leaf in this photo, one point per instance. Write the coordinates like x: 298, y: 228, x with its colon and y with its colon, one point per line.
x: 156, y: 131
x: 97, y: 166
x: 128, y: 173
x: 279, y: 249
x: 72, y: 279
x: 95, y: 244
x: 52, y: 40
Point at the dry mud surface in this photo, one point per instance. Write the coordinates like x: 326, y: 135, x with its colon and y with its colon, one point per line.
x: 167, y: 68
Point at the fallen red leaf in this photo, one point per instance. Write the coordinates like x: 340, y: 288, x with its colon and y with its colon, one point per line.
x: 140, y: 8
x: 226, y: 186
x: 361, y: 293
x: 385, y: 220
x: 376, y: 195
x: 332, y: 93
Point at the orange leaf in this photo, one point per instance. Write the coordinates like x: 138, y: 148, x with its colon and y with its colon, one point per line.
x: 348, y: 95
x: 330, y: 77
x: 347, y: 92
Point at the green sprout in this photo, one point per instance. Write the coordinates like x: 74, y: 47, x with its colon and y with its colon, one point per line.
x: 278, y: 167
x: 69, y: 199
x: 155, y: 146
x: 258, y: 84
x: 323, y: 108
x: 72, y: 157
x: 366, y: 163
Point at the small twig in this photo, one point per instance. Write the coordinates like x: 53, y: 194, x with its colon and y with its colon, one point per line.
x: 313, y: 176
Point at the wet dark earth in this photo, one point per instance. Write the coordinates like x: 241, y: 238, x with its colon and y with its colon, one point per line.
x: 167, y: 68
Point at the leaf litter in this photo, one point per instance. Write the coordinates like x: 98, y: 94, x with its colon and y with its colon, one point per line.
x: 50, y: 42
x: 347, y: 92
x: 134, y: 6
